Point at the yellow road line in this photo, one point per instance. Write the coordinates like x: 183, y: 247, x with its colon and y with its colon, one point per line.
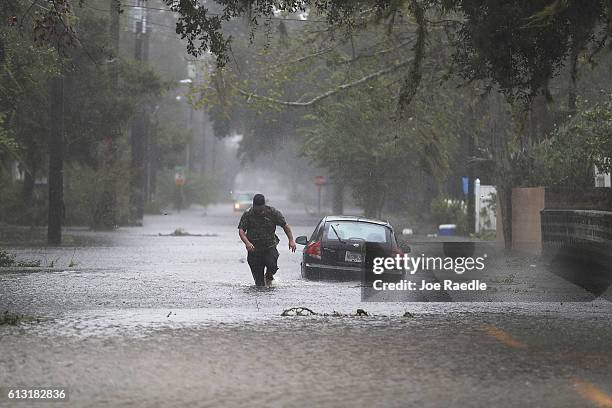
x: 504, y: 337
x: 584, y: 388
x: 590, y: 392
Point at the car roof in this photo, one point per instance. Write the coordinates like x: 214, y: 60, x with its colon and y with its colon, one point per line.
x: 355, y: 219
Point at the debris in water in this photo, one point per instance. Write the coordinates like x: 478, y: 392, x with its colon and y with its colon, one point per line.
x: 361, y: 312
x: 179, y: 232
x: 298, y: 311
x: 408, y: 314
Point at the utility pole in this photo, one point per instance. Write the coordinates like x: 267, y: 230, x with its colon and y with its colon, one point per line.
x: 56, y: 161
x: 114, y: 41
x: 106, y: 215
x: 139, y: 125
x: 203, y: 149
x: 56, y: 208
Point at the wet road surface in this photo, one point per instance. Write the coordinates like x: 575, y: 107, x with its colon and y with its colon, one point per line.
x: 132, y: 318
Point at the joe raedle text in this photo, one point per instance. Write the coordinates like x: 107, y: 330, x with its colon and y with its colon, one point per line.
x: 423, y: 285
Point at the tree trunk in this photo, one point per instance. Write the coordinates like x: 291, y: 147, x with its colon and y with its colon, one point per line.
x: 27, y: 193
x: 471, y: 203
x: 56, y: 162
x: 370, y: 208
x: 138, y: 169
x: 105, y: 213
x: 504, y: 195
x: 139, y: 136
x: 471, y: 198
x: 381, y: 203
x: 504, y: 181
x: 572, y: 94
x: 338, y: 201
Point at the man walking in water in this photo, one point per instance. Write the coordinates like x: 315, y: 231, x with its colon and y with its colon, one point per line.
x: 257, y: 229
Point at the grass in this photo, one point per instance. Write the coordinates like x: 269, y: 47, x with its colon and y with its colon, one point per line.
x: 8, y: 318
x: 8, y: 260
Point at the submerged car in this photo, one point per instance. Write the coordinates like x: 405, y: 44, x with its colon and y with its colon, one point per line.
x: 337, y: 248
x: 243, y: 201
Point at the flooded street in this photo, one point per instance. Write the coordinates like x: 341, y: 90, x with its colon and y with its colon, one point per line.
x: 133, y: 318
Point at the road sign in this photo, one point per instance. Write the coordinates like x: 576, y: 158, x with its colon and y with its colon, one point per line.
x: 179, y: 175
x: 319, y: 180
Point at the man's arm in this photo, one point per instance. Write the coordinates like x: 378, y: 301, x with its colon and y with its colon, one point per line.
x: 249, y: 246
x: 287, y: 229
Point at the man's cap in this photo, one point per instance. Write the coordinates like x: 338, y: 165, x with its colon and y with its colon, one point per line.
x: 259, y: 201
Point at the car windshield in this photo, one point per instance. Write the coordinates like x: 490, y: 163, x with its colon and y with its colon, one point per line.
x: 348, y: 230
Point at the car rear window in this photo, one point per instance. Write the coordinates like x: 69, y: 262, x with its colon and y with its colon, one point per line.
x: 357, y: 230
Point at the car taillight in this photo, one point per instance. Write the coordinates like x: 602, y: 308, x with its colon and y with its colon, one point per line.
x: 314, y: 249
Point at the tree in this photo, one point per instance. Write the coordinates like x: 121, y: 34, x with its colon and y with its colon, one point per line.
x: 567, y: 159
x: 36, y: 53
x: 518, y: 47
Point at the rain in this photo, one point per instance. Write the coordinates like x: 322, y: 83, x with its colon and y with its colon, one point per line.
x: 304, y: 203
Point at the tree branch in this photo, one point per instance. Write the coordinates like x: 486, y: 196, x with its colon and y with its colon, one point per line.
x: 411, y: 83
x: 329, y: 93
x: 377, y: 53
x: 306, y: 57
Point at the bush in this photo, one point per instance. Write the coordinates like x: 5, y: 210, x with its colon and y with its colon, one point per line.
x: 96, y: 198
x: 6, y: 259
x: 449, y: 211
x: 12, y: 208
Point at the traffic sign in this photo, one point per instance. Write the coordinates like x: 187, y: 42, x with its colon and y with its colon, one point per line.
x: 319, y: 180
x: 179, y: 175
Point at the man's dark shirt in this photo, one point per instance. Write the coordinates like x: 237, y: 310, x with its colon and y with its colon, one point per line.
x: 260, y: 228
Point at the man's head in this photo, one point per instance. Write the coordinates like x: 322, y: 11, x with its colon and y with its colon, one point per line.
x: 259, y: 202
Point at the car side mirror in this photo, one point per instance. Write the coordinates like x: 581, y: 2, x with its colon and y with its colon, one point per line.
x: 302, y: 240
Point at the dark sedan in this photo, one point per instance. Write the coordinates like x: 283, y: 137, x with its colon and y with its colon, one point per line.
x: 337, y: 247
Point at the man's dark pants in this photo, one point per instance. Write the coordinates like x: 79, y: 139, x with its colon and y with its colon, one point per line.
x: 260, y: 259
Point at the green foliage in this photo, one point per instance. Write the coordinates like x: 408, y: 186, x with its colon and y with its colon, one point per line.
x: 7, y: 143
x: 566, y: 159
x: 86, y: 195
x: 95, y: 121
x: 8, y: 260
x: 449, y: 211
x: 520, y: 45
x: 353, y: 135
x: 12, y: 206
x: 15, y: 318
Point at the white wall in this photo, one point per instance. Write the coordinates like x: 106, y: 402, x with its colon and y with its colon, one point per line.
x: 487, y: 220
x: 602, y: 179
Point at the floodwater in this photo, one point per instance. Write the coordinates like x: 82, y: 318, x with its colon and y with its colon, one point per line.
x: 132, y: 318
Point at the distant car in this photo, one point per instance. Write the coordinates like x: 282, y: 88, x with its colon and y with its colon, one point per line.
x: 336, y: 249
x: 243, y: 201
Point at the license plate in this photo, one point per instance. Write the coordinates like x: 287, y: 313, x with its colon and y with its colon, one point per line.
x: 352, y: 257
